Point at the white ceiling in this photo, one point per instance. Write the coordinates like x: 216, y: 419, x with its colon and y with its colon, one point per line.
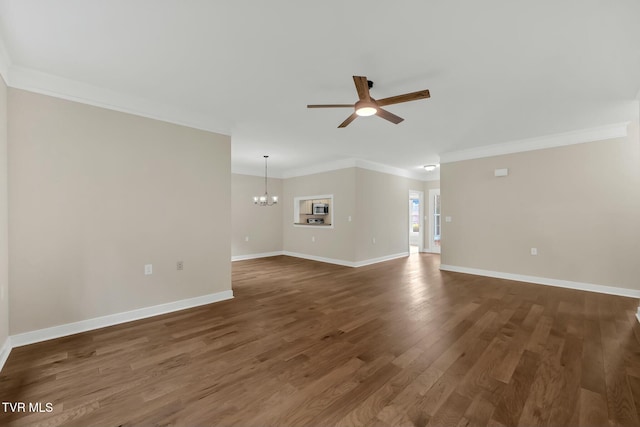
x: 498, y: 71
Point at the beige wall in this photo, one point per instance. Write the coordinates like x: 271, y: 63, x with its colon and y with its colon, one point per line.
x: 378, y: 204
x: 4, y: 256
x: 94, y: 195
x: 382, y: 204
x: 335, y: 243
x: 261, y: 224
x: 579, y: 205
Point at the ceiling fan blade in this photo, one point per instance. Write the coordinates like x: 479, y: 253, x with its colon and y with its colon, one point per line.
x: 362, y: 86
x: 351, y: 118
x: 413, y: 96
x: 388, y: 116
x: 330, y: 106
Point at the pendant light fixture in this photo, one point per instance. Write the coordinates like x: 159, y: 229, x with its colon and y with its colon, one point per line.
x: 265, y: 200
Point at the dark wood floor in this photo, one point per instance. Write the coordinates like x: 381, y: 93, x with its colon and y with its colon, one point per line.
x: 312, y: 344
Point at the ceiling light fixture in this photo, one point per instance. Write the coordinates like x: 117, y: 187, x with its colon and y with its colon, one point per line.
x: 366, y: 108
x: 430, y: 168
x: 265, y: 200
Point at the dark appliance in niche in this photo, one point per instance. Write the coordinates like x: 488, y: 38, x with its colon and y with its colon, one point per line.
x: 320, y: 209
x: 315, y: 220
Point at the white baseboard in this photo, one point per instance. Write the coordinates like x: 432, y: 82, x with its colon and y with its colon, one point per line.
x: 380, y: 259
x: 4, y: 351
x: 254, y: 256
x: 321, y: 259
x: 611, y: 290
x: 347, y: 263
x: 114, y: 319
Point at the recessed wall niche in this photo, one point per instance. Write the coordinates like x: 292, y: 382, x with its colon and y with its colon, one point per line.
x: 313, y: 211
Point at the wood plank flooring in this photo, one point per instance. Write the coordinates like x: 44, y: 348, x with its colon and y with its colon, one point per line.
x: 311, y: 344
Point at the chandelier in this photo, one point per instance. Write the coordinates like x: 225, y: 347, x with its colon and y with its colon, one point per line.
x: 265, y: 200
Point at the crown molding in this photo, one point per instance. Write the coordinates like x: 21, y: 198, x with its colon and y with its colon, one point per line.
x: 356, y: 163
x: 616, y: 130
x: 73, y: 90
x: 379, y: 167
x: 239, y: 170
x: 320, y: 168
x: 382, y: 168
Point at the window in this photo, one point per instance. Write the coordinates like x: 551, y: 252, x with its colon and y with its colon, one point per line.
x: 415, y: 215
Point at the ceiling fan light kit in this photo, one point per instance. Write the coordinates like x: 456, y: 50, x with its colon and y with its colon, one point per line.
x: 364, y: 108
x: 367, y: 106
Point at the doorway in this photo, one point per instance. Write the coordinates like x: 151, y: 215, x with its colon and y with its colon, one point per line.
x: 416, y: 221
x: 434, y: 220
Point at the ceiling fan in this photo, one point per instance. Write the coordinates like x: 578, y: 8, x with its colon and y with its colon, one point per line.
x: 367, y: 106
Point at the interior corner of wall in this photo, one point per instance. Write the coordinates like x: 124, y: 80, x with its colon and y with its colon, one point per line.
x: 5, y: 62
x: 633, y: 130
